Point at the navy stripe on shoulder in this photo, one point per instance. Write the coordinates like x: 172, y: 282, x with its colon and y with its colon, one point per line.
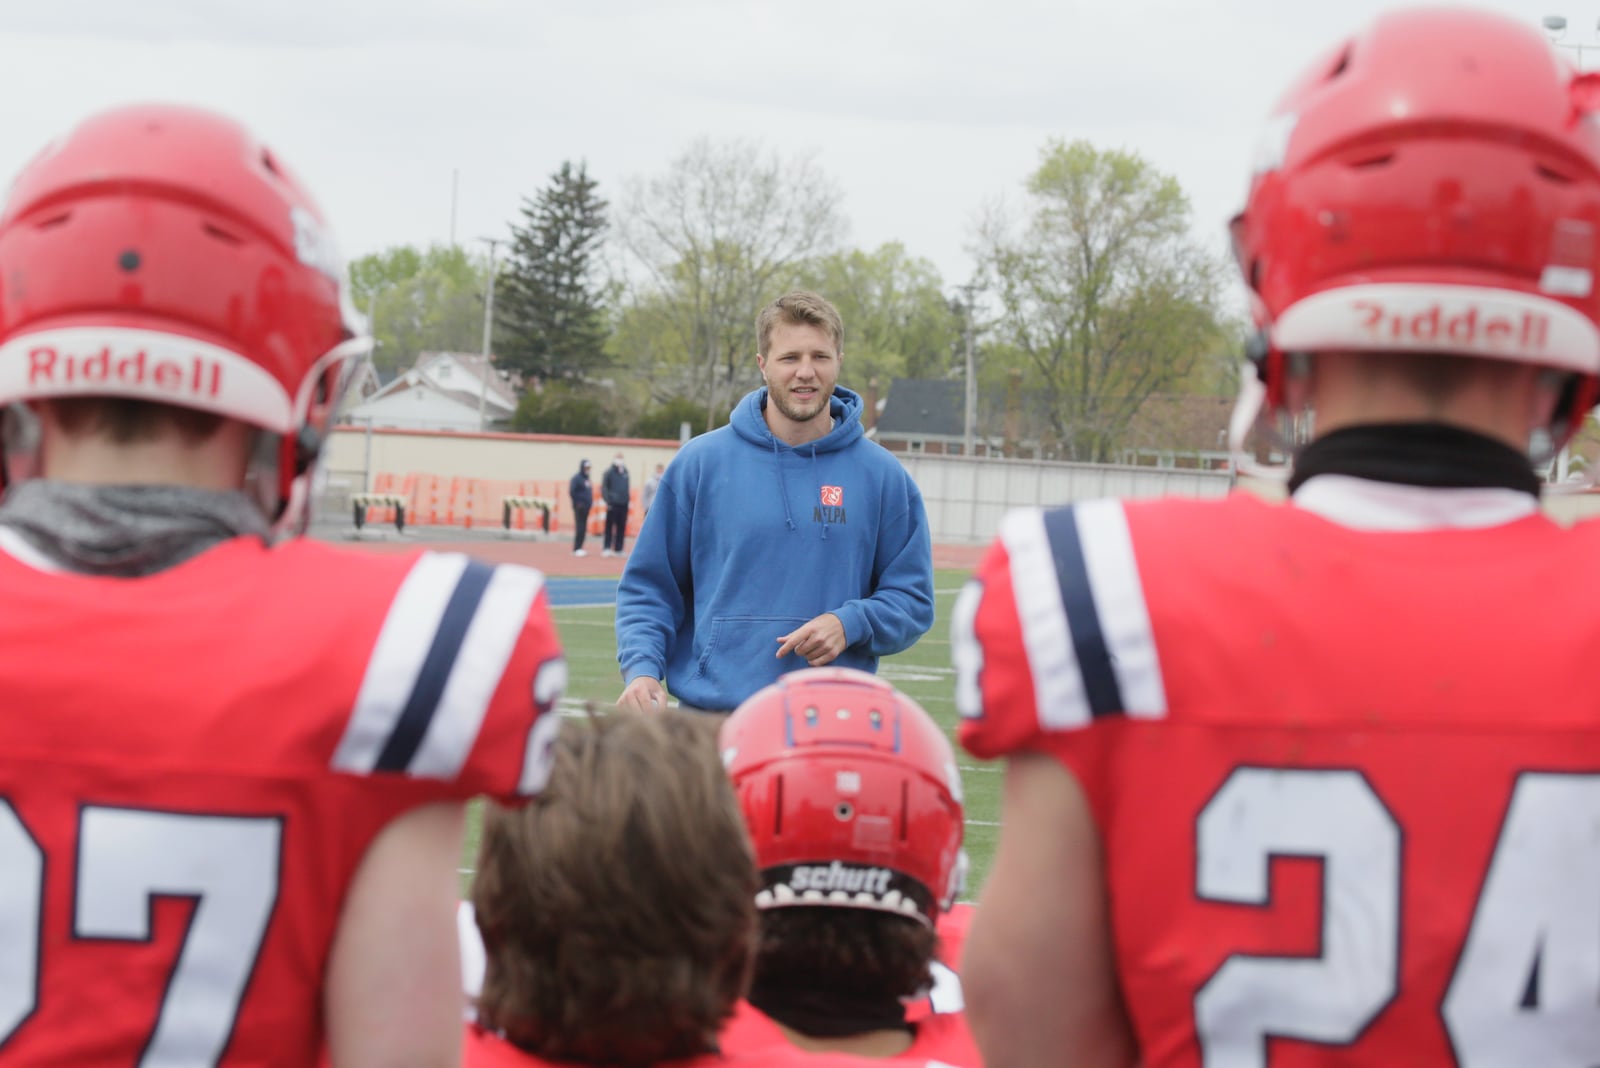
x: 1100, y: 686
x: 423, y: 702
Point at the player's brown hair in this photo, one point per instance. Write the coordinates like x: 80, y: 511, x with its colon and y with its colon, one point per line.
x: 853, y: 955
x: 799, y: 307
x: 126, y: 420
x: 617, y: 908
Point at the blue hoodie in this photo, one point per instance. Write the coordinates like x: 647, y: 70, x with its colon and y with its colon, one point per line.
x: 749, y: 538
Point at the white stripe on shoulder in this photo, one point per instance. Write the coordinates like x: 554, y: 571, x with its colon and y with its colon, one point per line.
x: 1119, y: 599
x: 403, y: 643
x: 476, y: 674
x: 1057, y: 682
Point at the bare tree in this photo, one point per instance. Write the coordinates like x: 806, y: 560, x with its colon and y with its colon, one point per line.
x: 1102, y: 289
x: 723, y: 231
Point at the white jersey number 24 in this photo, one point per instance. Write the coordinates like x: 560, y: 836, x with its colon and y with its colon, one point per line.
x: 1526, y: 989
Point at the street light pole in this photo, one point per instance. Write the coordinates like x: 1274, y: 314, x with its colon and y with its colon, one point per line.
x: 488, y: 330
x: 970, y: 290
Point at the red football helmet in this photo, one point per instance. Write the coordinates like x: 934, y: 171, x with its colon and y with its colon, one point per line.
x: 1430, y: 185
x: 851, y: 794
x: 162, y: 253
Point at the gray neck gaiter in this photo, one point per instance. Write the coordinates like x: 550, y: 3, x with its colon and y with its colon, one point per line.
x: 126, y: 531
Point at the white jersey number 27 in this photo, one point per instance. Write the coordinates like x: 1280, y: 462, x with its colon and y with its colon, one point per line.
x: 126, y: 857
x: 1526, y: 989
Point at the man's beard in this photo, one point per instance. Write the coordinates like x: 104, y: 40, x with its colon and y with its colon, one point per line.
x: 794, y: 414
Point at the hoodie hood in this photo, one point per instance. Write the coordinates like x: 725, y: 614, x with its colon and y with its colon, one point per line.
x: 750, y: 423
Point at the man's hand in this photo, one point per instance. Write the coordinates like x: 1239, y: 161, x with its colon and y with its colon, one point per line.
x: 820, y: 640
x: 643, y: 694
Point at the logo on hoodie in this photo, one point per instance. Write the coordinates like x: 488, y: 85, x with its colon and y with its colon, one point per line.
x: 831, y: 510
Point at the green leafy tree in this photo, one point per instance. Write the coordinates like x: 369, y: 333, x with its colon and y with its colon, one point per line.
x: 897, y: 319
x: 420, y: 300
x: 1102, y: 290
x: 549, y: 309
x: 564, y: 407
x: 726, y: 229
x: 664, y: 420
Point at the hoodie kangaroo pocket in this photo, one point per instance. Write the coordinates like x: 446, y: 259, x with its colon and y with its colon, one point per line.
x: 741, y: 651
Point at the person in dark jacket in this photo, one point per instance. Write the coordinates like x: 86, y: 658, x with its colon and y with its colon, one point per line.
x: 614, y: 491
x: 581, y: 491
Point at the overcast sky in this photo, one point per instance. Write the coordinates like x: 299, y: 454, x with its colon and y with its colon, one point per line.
x: 922, y: 110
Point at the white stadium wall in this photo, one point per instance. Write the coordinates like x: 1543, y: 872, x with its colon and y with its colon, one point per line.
x: 473, y: 455
x: 965, y: 498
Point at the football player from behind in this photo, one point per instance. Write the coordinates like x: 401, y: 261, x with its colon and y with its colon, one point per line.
x: 617, y: 910
x: 1316, y: 782
x: 233, y: 761
x: 853, y: 801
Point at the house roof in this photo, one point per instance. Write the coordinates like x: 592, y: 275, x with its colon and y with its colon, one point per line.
x: 924, y: 407
x: 475, y: 365
x: 422, y: 406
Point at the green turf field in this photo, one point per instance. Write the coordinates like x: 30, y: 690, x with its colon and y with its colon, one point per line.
x: 922, y: 671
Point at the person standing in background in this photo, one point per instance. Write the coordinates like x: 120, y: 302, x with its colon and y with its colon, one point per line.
x: 614, y: 491
x: 647, y: 495
x: 581, y: 490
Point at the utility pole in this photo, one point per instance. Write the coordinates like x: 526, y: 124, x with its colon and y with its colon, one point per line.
x: 372, y: 329
x: 970, y: 290
x: 455, y: 188
x: 488, y: 331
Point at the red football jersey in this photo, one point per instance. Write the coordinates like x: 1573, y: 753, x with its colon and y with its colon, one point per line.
x: 1346, y: 773
x: 192, y: 765
x: 941, y: 1038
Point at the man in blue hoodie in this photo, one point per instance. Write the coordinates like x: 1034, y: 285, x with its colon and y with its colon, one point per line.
x: 783, y: 540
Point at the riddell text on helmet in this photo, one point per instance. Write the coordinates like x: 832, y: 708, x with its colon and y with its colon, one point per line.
x: 197, y: 376
x: 1528, y: 330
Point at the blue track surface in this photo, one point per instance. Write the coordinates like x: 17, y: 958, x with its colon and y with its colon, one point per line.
x: 580, y: 592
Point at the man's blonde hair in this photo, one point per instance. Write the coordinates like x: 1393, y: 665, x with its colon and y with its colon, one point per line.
x: 618, y: 908
x: 800, y: 307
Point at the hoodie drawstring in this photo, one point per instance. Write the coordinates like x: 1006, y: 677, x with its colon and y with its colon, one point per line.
x: 783, y: 485
x: 817, y: 478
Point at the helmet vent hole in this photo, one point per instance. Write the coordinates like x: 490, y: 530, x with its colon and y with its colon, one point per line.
x: 1550, y: 174
x: 1341, y: 66
x: 226, y: 237
x: 777, y: 807
x: 1365, y: 163
x: 843, y: 811
x: 53, y: 221
x: 270, y: 163
x: 905, y: 811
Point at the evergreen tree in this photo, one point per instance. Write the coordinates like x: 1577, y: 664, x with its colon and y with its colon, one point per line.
x: 549, y: 309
